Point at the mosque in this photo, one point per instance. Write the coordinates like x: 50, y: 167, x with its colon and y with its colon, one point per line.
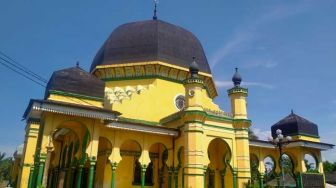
x: 144, y: 116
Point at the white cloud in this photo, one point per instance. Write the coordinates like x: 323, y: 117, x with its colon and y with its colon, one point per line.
x: 221, y: 84
x: 258, y: 84
x: 330, y: 138
x: 261, y: 63
x: 247, y: 33
x: 230, y: 46
x: 8, y: 149
x: 228, y: 84
x: 262, y: 135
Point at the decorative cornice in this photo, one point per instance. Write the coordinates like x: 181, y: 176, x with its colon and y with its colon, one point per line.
x: 150, y: 70
x: 193, y: 81
x: 137, y: 153
x: 68, y: 94
x: 303, y: 134
x: 211, y: 116
x: 33, y: 121
x: 160, y: 130
x: 238, y: 89
x: 138, y: 121
x: 36, y: 107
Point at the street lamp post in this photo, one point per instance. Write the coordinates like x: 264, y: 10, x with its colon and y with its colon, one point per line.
x: 279, y: 142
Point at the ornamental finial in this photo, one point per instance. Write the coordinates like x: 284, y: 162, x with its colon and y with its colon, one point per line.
x: 236, y: 79
x: 155, y: 7
x: 194, y: 68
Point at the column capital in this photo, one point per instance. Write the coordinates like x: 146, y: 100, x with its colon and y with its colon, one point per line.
x: 33, y: 121
x: 171, y: 169
x: 234, y: 172
x: 222, y: 172
x: 143, y: 167
x: 93, y: 160
x: 114, y: 165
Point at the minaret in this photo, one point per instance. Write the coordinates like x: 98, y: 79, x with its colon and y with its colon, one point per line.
x: 241, y: 124
x: 193, y: 131
x: 238, y: 96
x: 193, y: 88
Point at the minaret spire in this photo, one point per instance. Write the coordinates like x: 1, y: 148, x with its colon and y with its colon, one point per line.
x: 155, y: 5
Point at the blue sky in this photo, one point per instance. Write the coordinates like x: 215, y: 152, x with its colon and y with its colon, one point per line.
x: 286, y: 52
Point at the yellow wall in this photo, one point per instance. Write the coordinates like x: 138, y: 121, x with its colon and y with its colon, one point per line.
x: 74, y: 100
x: 155, y: 102
x: 27, y: 161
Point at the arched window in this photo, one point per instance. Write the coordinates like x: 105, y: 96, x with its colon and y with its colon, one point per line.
x: 137, y: 173
x: 149, y: 174
x: 310, y: 163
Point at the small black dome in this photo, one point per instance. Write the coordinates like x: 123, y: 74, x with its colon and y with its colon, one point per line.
x: 152, y: 40
x: 236, y: 79
x: 194, y: 68
x: 76, y: 81
x: 293, y: 125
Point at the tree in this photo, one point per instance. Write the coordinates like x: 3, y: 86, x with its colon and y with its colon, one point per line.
x: 252, y: 135
x: 2, y: 156
x: 5, y: 166
x: 329, y: 167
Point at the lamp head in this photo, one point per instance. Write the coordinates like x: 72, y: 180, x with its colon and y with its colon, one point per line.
x: 280, y: 136
x: 276, y: 140
x: 288, y: 138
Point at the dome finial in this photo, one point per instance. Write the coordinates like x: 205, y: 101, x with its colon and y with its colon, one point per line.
x: 77, y: 64
x: 236, y: 79
x: 194, y: 68
x: 155, y: 5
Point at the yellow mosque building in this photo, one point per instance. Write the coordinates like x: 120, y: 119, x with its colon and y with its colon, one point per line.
x: 144, y: 116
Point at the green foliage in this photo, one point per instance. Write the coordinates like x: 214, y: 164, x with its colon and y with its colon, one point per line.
x: 329, y: 167
x: 252, y: 135
x: 254, y: 171
x: 5, y: 166
x: 311, y: 167
x: 287, y: 164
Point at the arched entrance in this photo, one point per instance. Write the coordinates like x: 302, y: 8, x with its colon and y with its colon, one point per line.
x: 127, y: 172
x: 287, y: 177
x: 254, y: 166
x: 69, y: 141
x: 270, y: 174
x: 103, y: 176
x: 157, y: 170
x: 311, y: 163
x: 219, y: 171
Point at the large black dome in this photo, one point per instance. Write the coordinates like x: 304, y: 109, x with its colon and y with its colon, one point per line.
x: 294, y: 125
x: 152, y: 40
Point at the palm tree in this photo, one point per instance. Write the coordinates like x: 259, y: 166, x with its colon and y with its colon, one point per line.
x: 2, y: 155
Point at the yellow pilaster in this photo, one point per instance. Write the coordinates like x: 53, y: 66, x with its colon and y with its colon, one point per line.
x: 92, y: 149
x: 243, y: 157
x: 238, y: 96
x: 238, y: 102
x: 32, y: 131
x: 193, y: 132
